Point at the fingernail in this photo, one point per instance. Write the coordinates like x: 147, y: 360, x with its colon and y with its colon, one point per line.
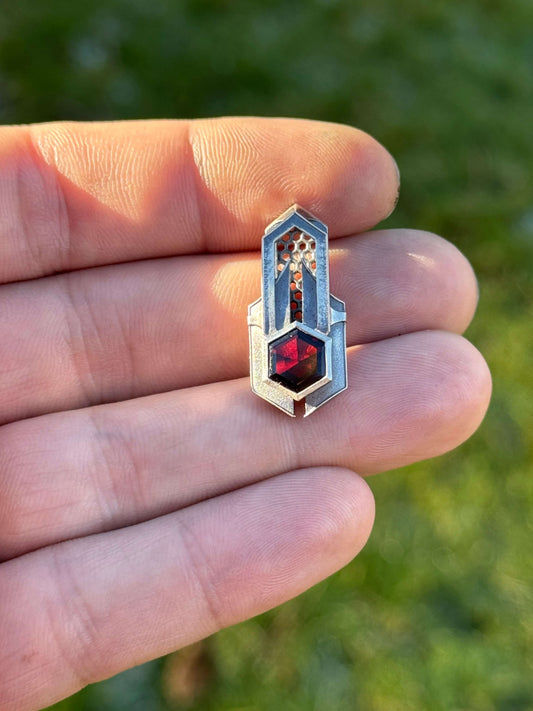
x: 398, y: 189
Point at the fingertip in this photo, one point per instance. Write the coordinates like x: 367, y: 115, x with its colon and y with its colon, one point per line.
x: 300, y: 527
x: 339, y: 173
x: 376, y: 177
x: 360, y: 508
x: 359, y: 179
x: 346, y: 510
x: 470, y: 386
x: 453, y: 401
x: 456, y: 279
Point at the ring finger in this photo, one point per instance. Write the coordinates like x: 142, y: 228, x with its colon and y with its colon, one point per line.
x: 74, y: 473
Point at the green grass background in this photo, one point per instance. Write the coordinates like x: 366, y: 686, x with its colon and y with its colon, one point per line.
x: 436, y: 613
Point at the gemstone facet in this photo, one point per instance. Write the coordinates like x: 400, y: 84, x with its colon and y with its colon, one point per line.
x: 297, y: 360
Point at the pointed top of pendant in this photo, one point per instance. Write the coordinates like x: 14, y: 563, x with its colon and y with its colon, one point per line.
x: 289, y: 213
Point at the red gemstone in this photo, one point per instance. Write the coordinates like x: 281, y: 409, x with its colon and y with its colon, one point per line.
x: 297, y: 360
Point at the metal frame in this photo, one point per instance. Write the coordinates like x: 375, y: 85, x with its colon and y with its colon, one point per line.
x: 322, y: 315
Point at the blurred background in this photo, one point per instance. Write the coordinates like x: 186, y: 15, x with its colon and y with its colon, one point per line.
x: 437, y: 612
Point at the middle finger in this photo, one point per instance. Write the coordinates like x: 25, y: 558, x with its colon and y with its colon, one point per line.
x: 128, y: 330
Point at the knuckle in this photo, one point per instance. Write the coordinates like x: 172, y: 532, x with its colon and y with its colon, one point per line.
x: 42, y: 209
x: 74, y: 623
x: 204, y: 575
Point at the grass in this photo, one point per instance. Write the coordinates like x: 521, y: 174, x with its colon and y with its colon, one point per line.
x: 436, y: 613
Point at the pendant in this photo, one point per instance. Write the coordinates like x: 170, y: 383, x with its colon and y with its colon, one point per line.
x: 297, y: 328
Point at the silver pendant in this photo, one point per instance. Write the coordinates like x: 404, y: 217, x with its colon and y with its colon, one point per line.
x: 297, y: 328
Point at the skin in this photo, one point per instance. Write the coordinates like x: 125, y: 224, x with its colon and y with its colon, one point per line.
x: 148, y: 498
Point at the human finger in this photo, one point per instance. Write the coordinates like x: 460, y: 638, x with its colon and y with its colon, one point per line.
x: 113, y: 333
x: 76, y: 195
x: 84, y: 610
x: 74, y: 473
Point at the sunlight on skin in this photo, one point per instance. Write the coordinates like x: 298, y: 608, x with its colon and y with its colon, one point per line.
x: 337, y: 257
x: 238, y: 281
x: 424, y: 260
x: 126, y: 175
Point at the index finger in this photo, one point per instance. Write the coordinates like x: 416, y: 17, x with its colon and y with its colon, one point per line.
x: 76, y: 195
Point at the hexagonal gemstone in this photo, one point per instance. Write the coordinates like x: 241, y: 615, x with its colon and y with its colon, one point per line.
x: 297, y: 360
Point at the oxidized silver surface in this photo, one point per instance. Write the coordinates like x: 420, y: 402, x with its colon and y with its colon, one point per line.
x: 295, y: 297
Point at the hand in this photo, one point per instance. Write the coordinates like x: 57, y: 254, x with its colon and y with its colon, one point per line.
x: 148, y: 498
